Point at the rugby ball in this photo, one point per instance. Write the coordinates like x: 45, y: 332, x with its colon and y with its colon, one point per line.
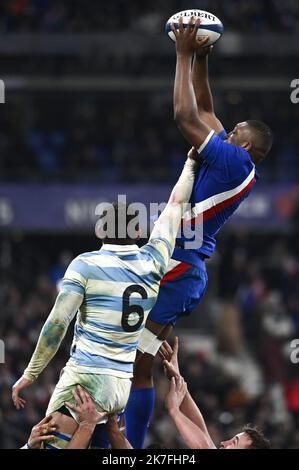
x: 210, y: 25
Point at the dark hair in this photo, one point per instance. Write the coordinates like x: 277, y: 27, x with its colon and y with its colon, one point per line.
x: 262, y: 138
x: 258, y: 440
x: 115, y: 224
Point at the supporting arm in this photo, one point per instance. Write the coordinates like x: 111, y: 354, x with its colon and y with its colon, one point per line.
x: 184, y: 100
x: 202, y: 89
x: 191, y: 434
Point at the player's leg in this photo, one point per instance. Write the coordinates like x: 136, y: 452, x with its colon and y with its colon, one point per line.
x: 64, y: 418
x: 147, y: 351
x: 141, y: 402
x: 169, y: 305
x: 181, y: 290
x: 109, y: 393
x: 66, y: 428
x: 173, y: 301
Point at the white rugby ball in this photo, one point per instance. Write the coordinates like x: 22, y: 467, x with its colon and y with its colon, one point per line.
x: 210, y: 25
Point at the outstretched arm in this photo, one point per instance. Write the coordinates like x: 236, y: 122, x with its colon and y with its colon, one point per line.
x: 187, y: 405
x: 194, y: 129
x: 169, y: 221
x: 191, y: 410
x: 192, y: 435
x: 116, y: 437
x: 203, y: 94
x: 50, y: 338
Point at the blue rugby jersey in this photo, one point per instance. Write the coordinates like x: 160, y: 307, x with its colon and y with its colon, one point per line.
x: 224, y: 180
x: 119, y: 285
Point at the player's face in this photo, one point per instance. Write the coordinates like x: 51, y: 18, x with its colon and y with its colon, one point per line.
x: 239, y: 135
x: 240, y: 441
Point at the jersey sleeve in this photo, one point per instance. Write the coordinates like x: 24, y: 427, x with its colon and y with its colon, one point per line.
x: 76, y: 276
x: 160, y: 250
x: 227, y: 157
x: 164, y: 233
x: 53, y: 332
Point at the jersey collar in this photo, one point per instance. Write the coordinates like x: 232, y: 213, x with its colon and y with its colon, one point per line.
x: 108, y: 247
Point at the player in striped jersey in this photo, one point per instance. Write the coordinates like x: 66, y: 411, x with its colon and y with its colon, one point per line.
x: 113, y: 290
x: 225, y: 178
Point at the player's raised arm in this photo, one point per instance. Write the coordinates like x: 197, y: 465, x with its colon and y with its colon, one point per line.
x: 116, y: 437
x: 169, y: 221
x: 188, y: 406
x: 192, y: 435
x: 202, y: 89
x: 52, y: 333
x: 185, y: 105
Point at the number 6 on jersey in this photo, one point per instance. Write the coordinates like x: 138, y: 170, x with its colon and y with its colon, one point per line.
x: 133, y: 315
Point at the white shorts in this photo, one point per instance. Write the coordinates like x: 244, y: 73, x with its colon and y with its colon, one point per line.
x: 110, y: 393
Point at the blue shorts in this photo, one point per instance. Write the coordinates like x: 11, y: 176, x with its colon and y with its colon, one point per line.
x: 181, y: 290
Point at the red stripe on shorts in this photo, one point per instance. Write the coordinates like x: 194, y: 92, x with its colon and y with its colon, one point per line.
x: 175, y: 272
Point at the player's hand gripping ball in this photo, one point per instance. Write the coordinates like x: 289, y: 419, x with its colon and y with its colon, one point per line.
x: 210, y: 25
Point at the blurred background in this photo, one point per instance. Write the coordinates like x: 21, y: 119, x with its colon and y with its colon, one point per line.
x: 88, y: 115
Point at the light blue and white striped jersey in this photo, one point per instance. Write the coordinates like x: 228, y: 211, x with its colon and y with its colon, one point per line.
x: 119, y: 285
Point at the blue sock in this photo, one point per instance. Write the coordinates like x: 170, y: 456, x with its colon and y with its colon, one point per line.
x: 138, y: 413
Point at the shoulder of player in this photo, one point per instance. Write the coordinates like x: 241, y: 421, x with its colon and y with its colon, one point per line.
x: 83, y: 260
x: 87, y: 254
x: 240, y: 158
x: 243, y: 153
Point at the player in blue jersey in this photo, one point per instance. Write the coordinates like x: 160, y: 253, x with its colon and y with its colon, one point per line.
x: 226, y: 177
x: 110, y: 291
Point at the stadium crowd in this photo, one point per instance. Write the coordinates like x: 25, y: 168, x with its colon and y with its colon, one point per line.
x: 63, y: 138
x: 237, y: 361
x: 77, y: 16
